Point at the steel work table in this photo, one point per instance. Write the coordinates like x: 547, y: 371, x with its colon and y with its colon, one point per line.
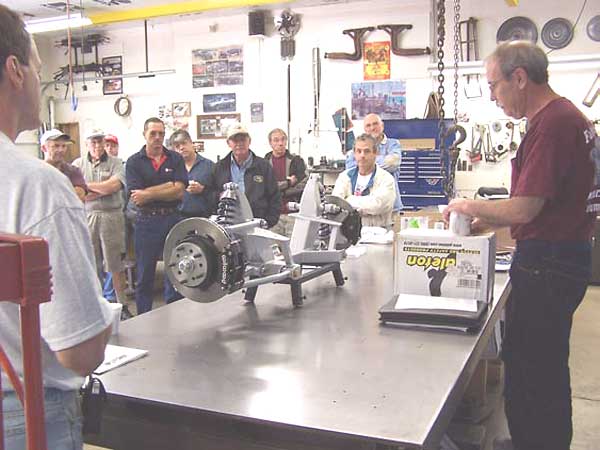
x: 226, y: 375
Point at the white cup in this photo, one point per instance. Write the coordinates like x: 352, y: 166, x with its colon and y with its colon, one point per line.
x: 460, y: 224
x: 116, y: 310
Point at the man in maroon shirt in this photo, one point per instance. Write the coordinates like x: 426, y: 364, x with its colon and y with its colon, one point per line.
x: 552, y: 176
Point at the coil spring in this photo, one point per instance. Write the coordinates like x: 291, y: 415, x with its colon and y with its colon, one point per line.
x: 226, y: 210
x: 324, y: 231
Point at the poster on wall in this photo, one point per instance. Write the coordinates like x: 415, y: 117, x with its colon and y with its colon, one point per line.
x: 181, y: 109
x: 376, y: 61
x: 256, y: 112
x: 223, y: 66
x: 386, y: 98
x: 214, y: 126
x: 219, y: 103
x: 112, y: 65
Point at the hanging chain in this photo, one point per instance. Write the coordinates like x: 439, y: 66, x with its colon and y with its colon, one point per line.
x: 441, y: 34
x: 457, y: 44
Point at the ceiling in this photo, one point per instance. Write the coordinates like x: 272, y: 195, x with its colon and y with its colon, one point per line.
x: 113, y: 11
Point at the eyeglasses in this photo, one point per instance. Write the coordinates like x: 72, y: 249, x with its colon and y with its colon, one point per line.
x: 493, y: 84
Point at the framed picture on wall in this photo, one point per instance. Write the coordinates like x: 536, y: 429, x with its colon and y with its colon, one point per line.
x: 112, y: 65
x: 219, y: 103
x: 214, y: 126
x: 182, y: 109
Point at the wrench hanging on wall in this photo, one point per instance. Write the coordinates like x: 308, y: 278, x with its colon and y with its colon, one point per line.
x: 316, y: 55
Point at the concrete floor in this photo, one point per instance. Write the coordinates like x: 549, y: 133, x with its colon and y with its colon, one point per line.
x: 585, y: 377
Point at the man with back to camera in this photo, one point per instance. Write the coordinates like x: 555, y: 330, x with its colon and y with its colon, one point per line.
x: 367, y: 187
x: 36, y: 200
x: 290, y: 172
x: 105, y: 178
x: 54, y: 146
x: 253, y: 175
x: 156, y: 180
x: 197, y: 201
x: 552, y: 175
x: 389, y: 153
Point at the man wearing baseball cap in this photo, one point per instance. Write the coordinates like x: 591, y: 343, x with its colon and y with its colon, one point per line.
x: 54, y: 145
x: 105, y: 177
x: 253, y: 175
x: 111, y: 145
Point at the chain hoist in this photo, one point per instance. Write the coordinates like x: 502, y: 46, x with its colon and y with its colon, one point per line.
x: 448, y: 157
x: 456, y: 55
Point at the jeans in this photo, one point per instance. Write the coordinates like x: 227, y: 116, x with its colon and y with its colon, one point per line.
x: 108, y: 290
x: 63, y: 420
x: 549, y: 280
x: 149, y: 240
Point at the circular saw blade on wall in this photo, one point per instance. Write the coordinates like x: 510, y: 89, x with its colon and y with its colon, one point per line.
x: 557, y: 33
x: 517, y: 29
x: 593, y: 28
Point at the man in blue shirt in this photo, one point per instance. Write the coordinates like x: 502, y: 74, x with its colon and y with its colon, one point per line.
x: 197, y: 201
x: 156, y: 180
x: 389, y: 153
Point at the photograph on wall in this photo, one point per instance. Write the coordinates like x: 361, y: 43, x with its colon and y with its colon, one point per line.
x: 376, y: 61
x: 219, y: 103
x: 256, y: 112
x: 386, y: 98
x: 214, y: 126
x: 223, y: 66
x: 112, y: 65
x: 182, y: 109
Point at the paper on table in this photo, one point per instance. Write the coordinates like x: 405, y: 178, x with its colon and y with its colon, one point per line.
x: 376, y: 235
x: 116, y: 356
x: 411, y: 301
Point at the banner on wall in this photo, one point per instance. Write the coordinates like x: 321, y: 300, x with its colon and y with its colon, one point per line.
x: 385, y: 98
x: 376, y: 61
x: 223, y: 66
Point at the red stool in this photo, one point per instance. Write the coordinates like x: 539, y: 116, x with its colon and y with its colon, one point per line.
x: 25, y: 280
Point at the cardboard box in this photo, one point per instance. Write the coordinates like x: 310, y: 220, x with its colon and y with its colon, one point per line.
x: 439, y: 264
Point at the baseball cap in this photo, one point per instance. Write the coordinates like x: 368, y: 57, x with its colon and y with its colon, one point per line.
x: 111, y: 138
x: 53, y: 135
x: 236, y: 128
x: 95, y: 133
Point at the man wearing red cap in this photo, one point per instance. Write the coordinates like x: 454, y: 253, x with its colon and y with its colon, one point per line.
x: 111, y: 145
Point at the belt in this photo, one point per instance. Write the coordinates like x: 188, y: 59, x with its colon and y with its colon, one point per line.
x: 157, y: 211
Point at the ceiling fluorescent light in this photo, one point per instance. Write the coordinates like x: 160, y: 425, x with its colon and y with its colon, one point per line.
x: 56, y: 23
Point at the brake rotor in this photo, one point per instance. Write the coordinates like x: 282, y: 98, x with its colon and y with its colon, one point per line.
x: 557, y: 33
x: 593, y: 28
x: 351, y: 227
x: 517, y: 29
x: 193, y: 256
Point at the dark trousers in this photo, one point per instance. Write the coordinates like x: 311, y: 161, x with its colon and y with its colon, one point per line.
x: 548, y: 281
x: 149, y: 240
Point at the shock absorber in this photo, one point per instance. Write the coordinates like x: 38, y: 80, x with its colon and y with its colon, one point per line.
x: 324, y: 231
x: 226, y: 210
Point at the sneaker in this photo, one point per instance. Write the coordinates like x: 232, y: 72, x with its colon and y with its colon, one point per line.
x: 502, y: 444
x: 125, y: 313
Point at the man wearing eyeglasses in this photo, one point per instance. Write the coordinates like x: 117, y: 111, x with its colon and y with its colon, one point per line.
x: 551, y: 220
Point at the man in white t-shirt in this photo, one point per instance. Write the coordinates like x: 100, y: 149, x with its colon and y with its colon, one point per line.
x: 367, y: 187
x: 38, y: 200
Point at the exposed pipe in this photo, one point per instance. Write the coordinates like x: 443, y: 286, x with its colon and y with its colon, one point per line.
x: 356, y: 34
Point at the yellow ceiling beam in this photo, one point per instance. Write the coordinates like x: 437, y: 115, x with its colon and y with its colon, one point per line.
x: 172, y: 9
x: 512, y: 2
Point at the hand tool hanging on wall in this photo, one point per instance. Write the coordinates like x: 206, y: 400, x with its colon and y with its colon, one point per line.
x: 394, y: 32
x: 288, y: 25
x: 357, y: 36
x: 316, y: 55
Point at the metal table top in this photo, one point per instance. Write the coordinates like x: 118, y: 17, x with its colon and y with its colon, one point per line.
x: 328, y: 366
